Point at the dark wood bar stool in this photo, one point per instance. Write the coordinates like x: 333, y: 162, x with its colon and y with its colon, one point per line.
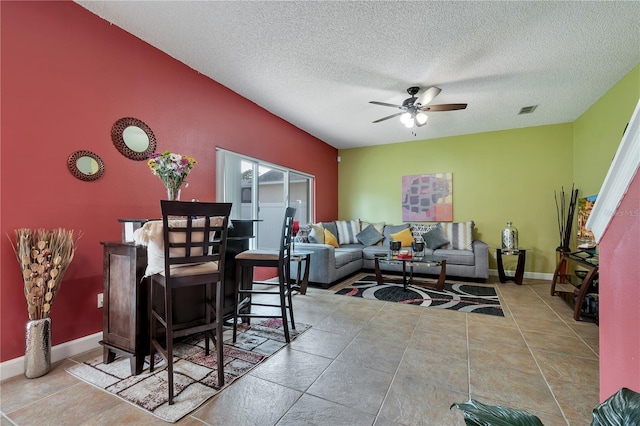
x: 246, y: 261
x: 195, y: 238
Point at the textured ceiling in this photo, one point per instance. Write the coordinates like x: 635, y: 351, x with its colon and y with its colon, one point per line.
x: 317, y: 64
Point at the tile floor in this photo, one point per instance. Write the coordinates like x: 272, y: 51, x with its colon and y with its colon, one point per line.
x: 372, y: 363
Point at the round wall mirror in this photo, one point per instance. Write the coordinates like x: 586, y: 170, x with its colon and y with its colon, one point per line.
x: 133, y: 138
x: 85, y: 165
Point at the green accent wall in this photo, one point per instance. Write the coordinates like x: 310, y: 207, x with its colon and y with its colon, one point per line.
x: 501, y: 176
x: 598, y: 132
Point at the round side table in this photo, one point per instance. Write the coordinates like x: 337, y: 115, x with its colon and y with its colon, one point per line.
x: 522, y: 255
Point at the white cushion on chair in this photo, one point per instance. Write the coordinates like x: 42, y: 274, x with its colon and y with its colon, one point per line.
x: 193, y: 269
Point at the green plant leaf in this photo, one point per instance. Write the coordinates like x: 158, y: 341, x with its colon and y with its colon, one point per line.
x: 620, y: 409
x: 479, y: 414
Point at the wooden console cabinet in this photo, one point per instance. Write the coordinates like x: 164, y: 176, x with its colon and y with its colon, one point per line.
x: 125, y: 317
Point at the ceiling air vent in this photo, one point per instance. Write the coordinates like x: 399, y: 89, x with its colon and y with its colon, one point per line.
x: 527, y: 109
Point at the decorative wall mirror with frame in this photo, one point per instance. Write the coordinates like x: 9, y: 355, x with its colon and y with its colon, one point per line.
x: 85, y: 165
x: 133, y: 138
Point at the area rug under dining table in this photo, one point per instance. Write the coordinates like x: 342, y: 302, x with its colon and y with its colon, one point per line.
x: 195, y: 375
x: 456, y: 295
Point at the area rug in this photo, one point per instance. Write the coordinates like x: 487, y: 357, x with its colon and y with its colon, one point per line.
x: 194, y: 374
x: 459, y: 296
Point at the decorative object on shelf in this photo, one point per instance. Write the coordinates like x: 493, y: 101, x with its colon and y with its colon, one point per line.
x: 418, y: 248
x: 565, y: 218
x: 172, y: 169
x: 85, y: 165
x: 44, y: 256
x: 133, y: 138
x: 510, y: 237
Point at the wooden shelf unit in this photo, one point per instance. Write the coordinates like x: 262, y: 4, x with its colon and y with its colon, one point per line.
x: 576, y: 297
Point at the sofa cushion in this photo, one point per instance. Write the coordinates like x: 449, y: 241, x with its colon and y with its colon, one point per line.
x: 457, y: 257
x: 392, y: 229
x: 369, y: 236
x: 459, y: 234
x: 330, y: 239
x: 316, y: 235
x: 435, y: 238
x: 405, y: 237
x: 354, y: 250
x: 347, y: 231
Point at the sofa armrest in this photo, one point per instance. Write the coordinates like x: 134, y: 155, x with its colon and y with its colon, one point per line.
x: 481, y: 254
x: 321, y: 254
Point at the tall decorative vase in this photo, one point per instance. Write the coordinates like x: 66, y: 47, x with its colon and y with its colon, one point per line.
x: 37, y: 357
x: 173, y: 194
x: 509, y: 237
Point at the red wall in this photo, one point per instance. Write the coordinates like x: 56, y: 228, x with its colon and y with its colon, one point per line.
x: 67, y: 76
x: 620, y: 297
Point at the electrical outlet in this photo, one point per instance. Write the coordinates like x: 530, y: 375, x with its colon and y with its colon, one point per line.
x: 100, y: 297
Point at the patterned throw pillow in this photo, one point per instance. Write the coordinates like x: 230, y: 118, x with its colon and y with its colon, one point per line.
x: 459, y: 233
x: 417, y: 229
x: 404, y: 236
x: 303, y: 234
x: 347, y: 231
x: 369, y: 236
x: 392, y: 229
x: 434, y: 239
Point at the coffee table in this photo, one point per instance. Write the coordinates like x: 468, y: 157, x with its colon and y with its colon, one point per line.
x: 427, y: 260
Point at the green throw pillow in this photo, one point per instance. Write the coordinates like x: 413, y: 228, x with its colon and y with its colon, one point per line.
x: 435, y: 238
x: 369, y: 236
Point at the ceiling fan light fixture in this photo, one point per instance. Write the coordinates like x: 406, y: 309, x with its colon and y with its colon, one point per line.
x: 409, y: 123
x: 404, y: 118
x: 421, y: 118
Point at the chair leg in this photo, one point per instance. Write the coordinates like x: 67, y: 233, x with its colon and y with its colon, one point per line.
x: 289, y: 296
x: 152, y: 328
x: 219, y: 339
x: 168, y: 313
x: 236, y: 293
x: 283, y: 306
x: 208, y: 305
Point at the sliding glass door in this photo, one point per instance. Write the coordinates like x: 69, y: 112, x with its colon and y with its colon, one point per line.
x: 261, y: 191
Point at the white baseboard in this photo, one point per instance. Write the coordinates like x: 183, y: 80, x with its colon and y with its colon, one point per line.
x: 15, y: 367
x: 532, y: 275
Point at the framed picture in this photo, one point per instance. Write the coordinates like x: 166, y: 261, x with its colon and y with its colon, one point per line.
x: 427, y: 198
x: 585, y: 238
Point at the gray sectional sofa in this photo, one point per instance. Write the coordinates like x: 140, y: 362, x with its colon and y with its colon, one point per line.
x: 466, y: 258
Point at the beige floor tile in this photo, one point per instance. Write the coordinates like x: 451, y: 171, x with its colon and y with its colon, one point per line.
x: 376, y: 354
x: 414, y: 402
x: 71, y: 405
x: 321, y: 343
x: 496, y: 334
x: 453, y: 346
x: 292, y: 368
x: 311, y: 410
x: 580, y: 371
x: 364, y: 389
x: 517, y: 389
x: 558, y: 343
x: 515, y: 357
x: 249, y: 401
x: 435, y: 369
x: 438, y: 324
x: 396, y: 334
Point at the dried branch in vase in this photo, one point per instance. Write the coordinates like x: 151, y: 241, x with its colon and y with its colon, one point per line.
x: 44, y: 256
x: 565, y: 216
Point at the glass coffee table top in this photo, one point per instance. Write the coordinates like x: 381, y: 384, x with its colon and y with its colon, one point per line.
x: 411, y: 261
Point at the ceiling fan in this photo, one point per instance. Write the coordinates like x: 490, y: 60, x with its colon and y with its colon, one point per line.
x: 414, y: 108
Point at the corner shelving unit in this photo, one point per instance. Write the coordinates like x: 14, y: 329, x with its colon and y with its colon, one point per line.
x: 581, y: 286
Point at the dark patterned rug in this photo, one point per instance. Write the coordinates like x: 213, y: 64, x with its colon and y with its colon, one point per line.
x: 195, y: 375
x: 458, y: 296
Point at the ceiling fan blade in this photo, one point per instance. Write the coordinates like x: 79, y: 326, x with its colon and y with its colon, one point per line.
x: 429, y: 94
x: 443, y: 107
x: 387, y: 117
x: 385, y: 104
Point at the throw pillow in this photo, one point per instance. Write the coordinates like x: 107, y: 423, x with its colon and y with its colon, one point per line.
x: 392, y: 229
x: 404, y: 236
x: 330, y: 239
x: 331, y: 226
x: 347, y: 231
x: 459, y: 233
x: 303, y: 234
x: 434, y: 239
x: 316, y: 235
x: 379, y: 226
x: 369, y: 236
x: 417, y: 229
